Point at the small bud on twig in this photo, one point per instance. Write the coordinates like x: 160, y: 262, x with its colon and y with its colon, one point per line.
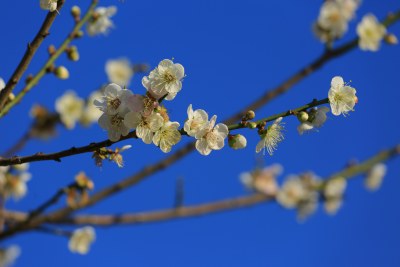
x: 61, y: 72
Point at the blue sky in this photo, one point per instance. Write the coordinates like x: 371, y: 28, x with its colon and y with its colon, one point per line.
x: 232, y: 52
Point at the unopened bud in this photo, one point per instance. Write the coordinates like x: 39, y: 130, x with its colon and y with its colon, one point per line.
x: 11, y: 96
x: 76, y: 12
x: 51, y: 50
x: 252, y: 125
x: 302, y: 116
x: 29, y: 78
x: 237, y: 141
x: 84, y: 181
x: 79, y: 34
x: 72, y: 53
x: 61, y: 72
x: 355, y: 99
x: 249, y: 115
x: 391, y: 39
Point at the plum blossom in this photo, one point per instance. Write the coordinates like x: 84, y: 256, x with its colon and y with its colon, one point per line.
x: 114, y: 100
x: 271, y: 137
x: 370, y: 33
x: 70, y: 107
x: 342, y: 97
x: 81, y: 240
x: 114, y: 125
x: 50, y: 5
x: 237, y: 141
x: 13, y: 184
x: 196, y: 121
x: 374, y: 177
x: 9, y: 255
x: 263, y: 181
x: 145, y: 126
x: 333, y: 194
x: 101, y: 22
x: 292, y: 192
x: 91, y: 113
x: 165, y: 79
x: 212, y: 138
x: 316, y: 118
x: 119, y: 71
x: 167, y: 136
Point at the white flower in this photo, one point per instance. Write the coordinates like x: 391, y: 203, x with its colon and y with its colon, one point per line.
x: 145, y: 126
x: 370, y: 33
x: 197, y: 120
x: 70, y: 107
x: 14, y: 185
x: 166, y: 78
x: 292, y: 192
x: 114, y: 125
x: 212, y: 138
x: 167, y: 136
x: 2, y: 84
x: 316, y: 119
x: 307, y: 206
x: 91, y: 113
x: 263, y: 181
x: 375, y: 176
x: 119, y: 71
x: 81, y: 240
x: 9, y: 255
x: 342, y: 98
x: 21, y: 167
x: 114, y: 100
x: 237, y: 141
x: 349, y: 7
x: 50, y: 5
x: 333, y: 193
x: 101, y: 22
x: 271, y: 137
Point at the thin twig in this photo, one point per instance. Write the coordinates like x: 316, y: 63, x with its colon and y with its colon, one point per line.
x: 35, y: 80
x: 30, y: 52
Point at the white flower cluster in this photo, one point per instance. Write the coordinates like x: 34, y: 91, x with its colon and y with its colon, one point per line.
x: 101, y: 22
x: 13, y: 181
x: 333, y: 19
x: 73, y: 109
x: 81, y: 239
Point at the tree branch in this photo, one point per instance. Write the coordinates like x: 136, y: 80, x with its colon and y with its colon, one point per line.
x: 30, y: 52
x: 34, y: 81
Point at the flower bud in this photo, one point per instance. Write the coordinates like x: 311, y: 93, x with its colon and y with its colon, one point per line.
x: 252, y: 125
x: 391, y: 39
x: 61, y: 72
x: 79, y: 34
x: 302, y: 116
x: 249, y: 115
x: 237, y: 141
x: 76, y: 12
x: 51, y: 50
x: 72, y: 53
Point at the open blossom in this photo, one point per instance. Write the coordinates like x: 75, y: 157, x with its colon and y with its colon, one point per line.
x: 212, y: 138
x: 167, y: 136
x: 374, y: 177
x: 166, y: 78
x: 333, y: 19
x: 196, y: 121
x: 14, y: 184
x: 370, y: 33
x: 100, y: 22
x: 50, y: 5
x: 117, y: 157
x: 91, y: 113
x: 316, y: 119
x: 114, y: 125
x: 114, y: 100
x: 271, y: 137
x: 9, y: 255
x: 145, y: 126
x: 333, y: 194
x: 342, y: 97
x: 81, y: 240
x: 292, y: 192
x: 119, y: 71
x: 70, y: 107
x: 263, y: 181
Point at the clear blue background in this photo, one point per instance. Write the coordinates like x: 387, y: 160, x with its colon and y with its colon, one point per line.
x: 232, y: 52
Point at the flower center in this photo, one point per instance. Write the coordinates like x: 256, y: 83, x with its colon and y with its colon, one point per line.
x: 116, y: 120
x: 114, y: 103
x: 168, y: 77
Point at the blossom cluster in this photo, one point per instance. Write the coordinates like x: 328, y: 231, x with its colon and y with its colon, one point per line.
x: 304, y: 192
x: 13, y: 181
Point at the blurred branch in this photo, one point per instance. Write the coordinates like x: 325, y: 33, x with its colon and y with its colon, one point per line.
x: 34, y: 81
x: 95, y: 146
x: 30, y: 52
x: 19, y: 144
